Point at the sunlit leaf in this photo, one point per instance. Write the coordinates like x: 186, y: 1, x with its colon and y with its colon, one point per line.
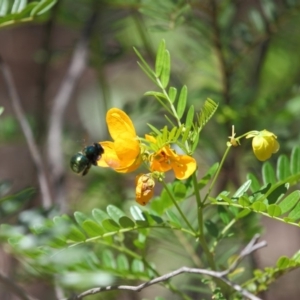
x: 137, y: 266
x: 182, y: 101
x: 242, y: 189
x: 160, y: 56
x: 122, y: 262
x: 165, y: 74
x: 295, y: 161
x: 80, y: 217
x: 268, y: 173
x: 99, y: 215
x: 274, y: 210
x: 172, y: 94
x: 92, y: 228
x: 18, y: 5
x: 283, y: 167
x: 110, y: 225
x: 289, y: 202
x: 42, y: 7
x: 295, y: 213
x: 259, y: 206
x: 114, y: 212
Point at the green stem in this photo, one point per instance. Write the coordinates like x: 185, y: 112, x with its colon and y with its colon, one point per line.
x: 177, y: 206
x: 225, y: 229
x: 217, y: 173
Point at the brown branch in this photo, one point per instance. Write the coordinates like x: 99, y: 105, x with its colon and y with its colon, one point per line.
x: 14, y: 288
x: 251, y: 247
x: 33, y: 148
x: 60, y: 102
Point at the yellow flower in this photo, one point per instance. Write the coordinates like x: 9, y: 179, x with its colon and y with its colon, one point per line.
x: 144, y: 188
x: 167, y: 159
x: 264, y: 144
x: 123, y: 154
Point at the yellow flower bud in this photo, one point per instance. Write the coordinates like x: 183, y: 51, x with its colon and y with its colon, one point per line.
x: 144, y: 188
x: 264, y: 144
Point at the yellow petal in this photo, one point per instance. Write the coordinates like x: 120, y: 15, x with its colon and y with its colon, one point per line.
x: 118, y: 122
x: 264, y: 147
x: 184, y: 166
x: 127, y: 147
x: 109, y: 155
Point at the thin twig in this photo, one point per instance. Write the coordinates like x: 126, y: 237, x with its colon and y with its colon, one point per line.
x: 14, y: 288
x: 60, y: 102
x: 34, y: 152
x: 251, y: 247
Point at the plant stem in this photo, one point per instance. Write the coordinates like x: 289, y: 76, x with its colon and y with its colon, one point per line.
x: 177, y: 206
x: 217, y: 174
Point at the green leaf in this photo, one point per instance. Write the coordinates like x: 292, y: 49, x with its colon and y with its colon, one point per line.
x: 159, y: 62
x: 283, y: 167
x: 244, y: 201
x: 242, y: 189
x: 274, y: 210
x: 150, y: 73
x: 277, y: 193
x: 42, y: 7
x: 173, y: 219
x: 108, y: 259
x: 172, y: 94
x: 295, y: 213
x: 75, y: 234
x: 154, y: 129
x: 144, y: 66
x: 224, y: 215
x: 1, y: 107
x: 4, y: 5
x: 126, y: 222
x: 165, y: 74
x: 289, y: 202
x: 190, y: 116
x: 295, y: 161
x: 182, y: 101
x: 18, y: 5
x: 211, y: 228
x: 156, y: 94
x: 92, y: 228
x: 137, y: 213
x: 122, y: 263
x: 268, y: 173
x: 80, y: 217
x: 99, y: 215
x: 283, y: 262
x: 255, y: 185
x: 206, y: 112
x: 259, y: 206
x: 110, y: 225
x: 172, y: 133
x: 179, y: 190
x: 137, y: 266
x: 114, y: 212
x: 195, y: 142
x: 245, y: 212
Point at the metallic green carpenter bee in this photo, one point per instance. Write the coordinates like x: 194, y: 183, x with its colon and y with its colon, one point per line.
x: 82, y: 161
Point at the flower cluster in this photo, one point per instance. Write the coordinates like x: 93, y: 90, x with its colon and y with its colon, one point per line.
x: 126, y: 153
